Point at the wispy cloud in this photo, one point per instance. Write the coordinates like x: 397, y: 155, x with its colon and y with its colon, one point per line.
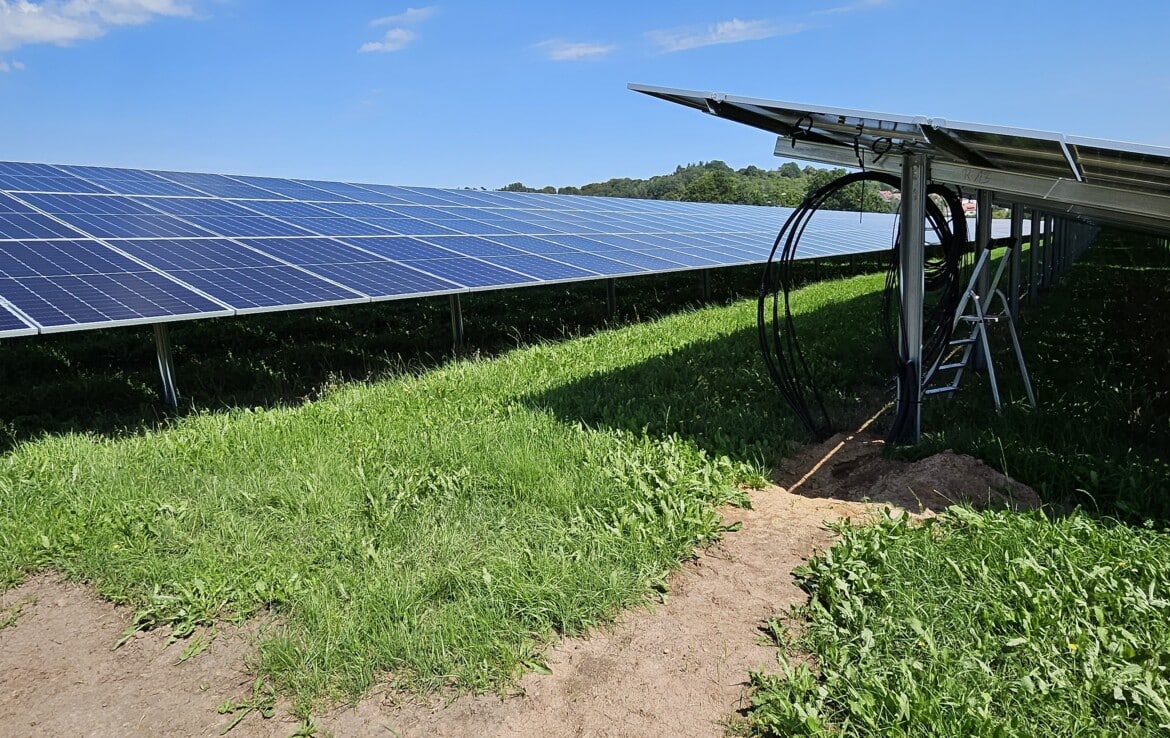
x: 398, y: 36
x: 407, y: 17
x: 851, y: 7
x: 11, y: 66
x: 63, y: 22
x: 732, y: 31
x: 558, y: 49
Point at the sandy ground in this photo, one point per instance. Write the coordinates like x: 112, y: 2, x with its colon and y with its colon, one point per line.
x: 679, y: 669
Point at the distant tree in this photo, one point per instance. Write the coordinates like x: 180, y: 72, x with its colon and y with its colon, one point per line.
x: 569, y: 191
x: 515, y: 187
x: 791, y: 170
x: 715, y: 185
x: 857, y: 196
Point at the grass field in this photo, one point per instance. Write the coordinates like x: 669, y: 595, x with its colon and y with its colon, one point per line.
x: 335, y: 466
x: 434, y: 527
x: 1008, y: 624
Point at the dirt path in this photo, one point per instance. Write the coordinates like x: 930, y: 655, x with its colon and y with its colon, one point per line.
x: 678, y: 670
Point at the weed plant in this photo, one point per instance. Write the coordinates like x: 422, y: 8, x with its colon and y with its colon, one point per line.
x: 992, y: 624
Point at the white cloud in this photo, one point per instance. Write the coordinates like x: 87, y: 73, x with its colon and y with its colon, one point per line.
x: 409, y: 16
x: 11, y: 66
x: 560, y: 50
x: 397, y: 37
x: 394, y: 40
x: 63, y: 22
x: 849, y: 8
x: 724, y: 32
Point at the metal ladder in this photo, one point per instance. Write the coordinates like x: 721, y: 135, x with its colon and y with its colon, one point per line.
x: 960, y: 351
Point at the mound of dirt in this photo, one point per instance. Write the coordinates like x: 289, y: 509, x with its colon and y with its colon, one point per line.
x: 852, y: 468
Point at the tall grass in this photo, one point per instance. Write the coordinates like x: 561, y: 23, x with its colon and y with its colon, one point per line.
x: 1014, y: 624
x: 434, y: 528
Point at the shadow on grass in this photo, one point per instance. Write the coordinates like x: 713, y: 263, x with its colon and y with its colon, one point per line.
x: 106, y: 382
x: 717, y: 393
x: 1098, y: 348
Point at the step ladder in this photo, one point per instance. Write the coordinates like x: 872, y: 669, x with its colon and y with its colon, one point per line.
x: 971, y: 312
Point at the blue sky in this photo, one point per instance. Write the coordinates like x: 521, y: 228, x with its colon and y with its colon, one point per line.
x: 482, y: 94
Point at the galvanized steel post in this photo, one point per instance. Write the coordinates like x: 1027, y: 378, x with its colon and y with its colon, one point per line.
x: 166, y: 365
x: 911, y: 257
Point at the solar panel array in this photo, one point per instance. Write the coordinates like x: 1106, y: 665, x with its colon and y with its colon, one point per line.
x: 87, y: 247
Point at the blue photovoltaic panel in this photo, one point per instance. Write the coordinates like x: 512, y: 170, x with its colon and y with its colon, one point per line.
x: 18, y: 221
x: 361, y: 210
x: 472, y: 246
x: 361, y: 270
x: 130, y: 181
x: 209, y: 244
x: 385, y: 279
x: 349, y: 192
x: 541, y: 267
x: 534, y: 245
x: 17, y: 177
x: 237, y: 275
x: 64, y: 285
x: 291, y: 189
x: 472, y: 273
x: 601, y: 264
x: 113, y: 216
x: 402, y: 249
x: 12, y: 325
x: 220, y: 186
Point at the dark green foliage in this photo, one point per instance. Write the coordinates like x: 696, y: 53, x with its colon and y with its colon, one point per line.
x: 993, y: 624
x: 714, y: 181
x: 1098, y: 348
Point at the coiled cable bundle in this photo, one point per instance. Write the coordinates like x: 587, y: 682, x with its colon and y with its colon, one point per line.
x: 944, y: 279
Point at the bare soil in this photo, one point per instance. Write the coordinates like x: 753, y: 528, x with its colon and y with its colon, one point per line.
x: 677, y: 669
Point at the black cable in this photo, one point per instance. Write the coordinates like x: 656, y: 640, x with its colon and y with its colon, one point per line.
x: 943, y: 282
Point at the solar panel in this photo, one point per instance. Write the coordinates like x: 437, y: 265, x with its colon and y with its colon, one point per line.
x: 84, y: 246
x: 239, y: 276
x: 70, y: 285
x: 12, y: 325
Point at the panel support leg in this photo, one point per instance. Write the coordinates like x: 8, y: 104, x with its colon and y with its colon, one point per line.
x: 911, y: 255
x: 166, y: 365
x: 611, y: 297
x: 982, y: 246
x: 1033, y: 258
x: 1017, y: 247
x: 457, y: 322
x: 705, y: 277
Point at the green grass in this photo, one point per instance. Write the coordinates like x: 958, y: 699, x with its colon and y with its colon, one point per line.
x: 1098, y: 348
x: 1006, y: 624
x: 434, y: 528
x: 993, y: 624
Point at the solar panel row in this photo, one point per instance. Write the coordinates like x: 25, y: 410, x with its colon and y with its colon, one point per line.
x: 84, y: 247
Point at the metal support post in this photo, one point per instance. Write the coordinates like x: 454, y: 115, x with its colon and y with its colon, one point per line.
x: 911, y: 256
x: 1033, y: 258
x: 705, y: 276
x: 611, y: 296
x: 1017, y: 247
x: 1050, y: 236
x: 457, y: 322
x: 166, y: 365
x: 982, y: 246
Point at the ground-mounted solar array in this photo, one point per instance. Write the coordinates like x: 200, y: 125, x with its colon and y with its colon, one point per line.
x: 86, y: 247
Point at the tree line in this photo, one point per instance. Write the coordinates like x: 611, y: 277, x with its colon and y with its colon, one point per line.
x: 715, y: 181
